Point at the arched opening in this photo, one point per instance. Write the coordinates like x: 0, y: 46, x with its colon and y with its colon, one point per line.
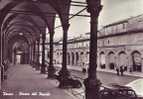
x: 20, y: 53
x: 102, y: 60
x: 136, y: 59
x: 111, y: 60
x: 20, y: 57
x: 123, y: 60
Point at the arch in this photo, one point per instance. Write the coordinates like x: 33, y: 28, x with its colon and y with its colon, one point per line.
x: 25, y: 31
x: 123, y: 60
x: 7, y: 42
x: 102, y: 60
x: 24, y: 18
x: 19, y: 24
x: 121, y: 52
x: 28, y: 36
x: 37, y: 11
x: 20, y: 52
x: 137, y: 61
x: 6, y: 9
x: 111, y: 60
x: 11, y: 42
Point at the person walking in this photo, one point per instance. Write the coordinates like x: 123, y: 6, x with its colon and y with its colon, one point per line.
x: 121, y: 70
x: 117, y: 70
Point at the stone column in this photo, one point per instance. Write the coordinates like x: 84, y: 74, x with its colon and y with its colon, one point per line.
x: 51, y: 69
x: 35, y: 59
x: 38, y: 55
x: 43, y: 66
x: 34, y: 54
x: 92, y: 83
x: 64, y: 73
x: 31, y: 54
x: 1, y: 74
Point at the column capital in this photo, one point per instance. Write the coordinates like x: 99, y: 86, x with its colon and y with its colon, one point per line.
x: 94, y: 7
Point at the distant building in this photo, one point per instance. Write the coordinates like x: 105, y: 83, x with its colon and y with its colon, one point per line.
x: 119, y: 44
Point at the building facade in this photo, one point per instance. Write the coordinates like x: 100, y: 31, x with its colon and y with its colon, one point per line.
x: 119, y: 44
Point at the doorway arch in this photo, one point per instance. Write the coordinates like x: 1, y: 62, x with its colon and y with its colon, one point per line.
x: 123, y: 60
x: 102, y: 60
x: 136, y: 59
x: 111, y: 59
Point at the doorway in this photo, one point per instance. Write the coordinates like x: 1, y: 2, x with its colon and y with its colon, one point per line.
x: 136, y: 58
x: 18, y: 59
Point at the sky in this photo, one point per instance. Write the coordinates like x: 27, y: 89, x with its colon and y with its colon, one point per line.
x: 113, y: 11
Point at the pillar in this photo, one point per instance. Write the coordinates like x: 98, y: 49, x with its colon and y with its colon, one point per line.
x: 51, y: 69
x: 64, y: 73
x: 34, y: 54
x: 92, y: 83
x: 43, y: 66
x: 31, y: 54
x: 38, y: 55
x: 1, y: 74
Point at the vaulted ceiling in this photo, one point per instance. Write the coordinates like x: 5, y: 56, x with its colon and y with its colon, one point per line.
x: 31, y: 16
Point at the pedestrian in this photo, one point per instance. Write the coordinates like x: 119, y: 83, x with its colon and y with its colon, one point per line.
x: 130, y: 70
x: 117, y: 70
x: 84, y: 68
x: 121, y: 70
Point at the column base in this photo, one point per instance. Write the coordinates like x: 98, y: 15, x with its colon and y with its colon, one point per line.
x: 92, y: 88
x: 34, y: 65
x: 66, y: 81
x: 37, y: 66
x: 51, y: 72
x: 43, y: 71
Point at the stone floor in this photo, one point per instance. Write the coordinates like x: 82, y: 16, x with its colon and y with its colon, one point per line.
x: 24, y: 82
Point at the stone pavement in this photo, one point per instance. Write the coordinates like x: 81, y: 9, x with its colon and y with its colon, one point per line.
x: 25, y: 83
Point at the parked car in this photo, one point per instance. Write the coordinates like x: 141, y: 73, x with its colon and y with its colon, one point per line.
x: 137, y: 86
x: 116, y: 91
